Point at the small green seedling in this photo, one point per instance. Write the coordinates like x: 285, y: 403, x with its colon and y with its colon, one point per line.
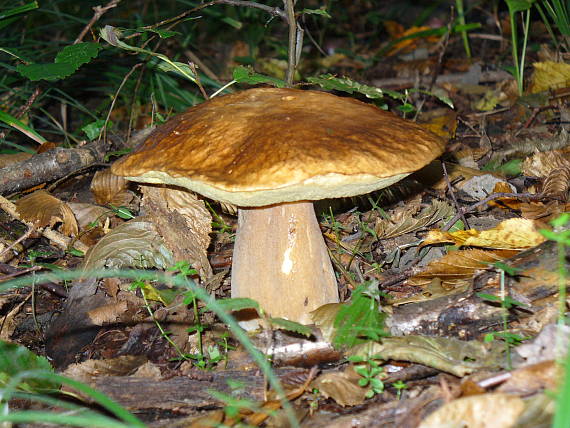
x: 368, y: 373
x: 400, y: 386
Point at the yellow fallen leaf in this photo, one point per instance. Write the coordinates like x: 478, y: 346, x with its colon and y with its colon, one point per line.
x: 549, y: 75
x: 511, y: 234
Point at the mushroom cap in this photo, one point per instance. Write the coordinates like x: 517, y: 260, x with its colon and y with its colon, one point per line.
x: 265, y: 146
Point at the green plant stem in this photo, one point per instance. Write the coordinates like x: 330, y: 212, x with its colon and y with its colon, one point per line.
x: 461, y: 18
x: 202, y: 294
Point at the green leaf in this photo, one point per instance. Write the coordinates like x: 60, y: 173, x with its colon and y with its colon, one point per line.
x: 20, y: 126
x: 93, y: 129
x: 66, y: 63
x: 322, y: 11
x: 78, y: 54
x: 359, y: 321
x: 330, y: 82
x: 20, y: 9
x: 177, y: 67
x: 518, y: 5
x: 238, y: 304
x: 15, y: 359
x: 247, y: 75
x: 292, y: 326
x: 53, y: 71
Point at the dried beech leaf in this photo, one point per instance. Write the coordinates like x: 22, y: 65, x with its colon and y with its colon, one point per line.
x: 184, y: 223
x: 405, y: 222
x: 459, y: 265
x: 135, y: 243
x: 549, y: 75
x: 448, y: 354
x: 557, y: 183
x: 88, y: 214
x: 541, y: 164
x: 511, y: 234
x: 342, y: 387
x: 477, y: 411
x: 110, y: 189
x: 9, y: 159
x: 44, y: 210
x: 89, y: 370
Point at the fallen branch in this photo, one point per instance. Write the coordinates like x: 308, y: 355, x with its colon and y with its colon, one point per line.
x: 49, y: 166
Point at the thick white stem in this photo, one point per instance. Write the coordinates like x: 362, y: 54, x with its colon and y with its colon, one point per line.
x: 281, y: 260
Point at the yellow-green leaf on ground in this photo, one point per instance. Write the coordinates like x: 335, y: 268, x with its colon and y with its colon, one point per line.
x: 450, y: 355
x: 511, y: 234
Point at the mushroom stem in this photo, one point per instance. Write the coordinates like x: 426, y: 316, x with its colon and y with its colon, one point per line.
x: 281, y: 261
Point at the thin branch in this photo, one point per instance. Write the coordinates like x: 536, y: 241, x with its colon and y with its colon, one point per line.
x: 292, y: 56
x: 99, y: 12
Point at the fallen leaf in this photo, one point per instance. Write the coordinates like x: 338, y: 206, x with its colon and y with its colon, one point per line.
x: 477, y: 411
x: 110, y: 189
x: 44, y: 210
x: 342, y: 387
x: 135, y: 243
x: 549, y: 75
x: 511, y: 234
x: 448, y: 354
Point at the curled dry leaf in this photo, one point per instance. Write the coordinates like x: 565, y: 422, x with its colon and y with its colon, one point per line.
x: 458, y: 265
x: 110, y: 189
x: 541, y: 164
x: 88, y: 214
x: 511, y: 234
x: 135, y: 243
x: 44, y: 210
x: 184, y: 223
x: 402, y: 221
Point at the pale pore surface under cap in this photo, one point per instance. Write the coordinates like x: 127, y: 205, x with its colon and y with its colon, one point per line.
x: 265, y: 146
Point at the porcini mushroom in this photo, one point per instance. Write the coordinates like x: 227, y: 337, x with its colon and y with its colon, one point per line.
x: 271, y: 152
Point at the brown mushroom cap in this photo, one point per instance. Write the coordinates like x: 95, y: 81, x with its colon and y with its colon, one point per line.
x: 265, y: 146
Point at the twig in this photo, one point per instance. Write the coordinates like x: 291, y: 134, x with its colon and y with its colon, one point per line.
x: 452, y: 194
x: 462, y: 211
x: 16, y: 242
x: 292, y: 54
x: 99, y: 12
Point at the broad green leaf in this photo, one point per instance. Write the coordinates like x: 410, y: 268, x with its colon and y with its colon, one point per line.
x: 247, y: 75
x: 322, y: 11
x: 292, y: 326
x: 54, y: 71
x: 238, y: 304
x: 519, y: 5
x: 330, y: 82
x: 78, y: 54
x: 93, y: 129
x: 15, y: 359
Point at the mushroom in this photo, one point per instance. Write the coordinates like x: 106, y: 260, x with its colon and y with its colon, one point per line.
x: 271, y: 152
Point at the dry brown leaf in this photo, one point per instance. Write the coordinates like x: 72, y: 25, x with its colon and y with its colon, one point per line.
x: 549, y: 75
x: 477, y: 411
x: 511, y: 234
x: 533, y: 378
x: 541, y: 164
x: 184, y: 223
x: 403, y: 220
x: 458, y: 265
x: 89, y: 370
x: 110, y: 189
x: 557, y: 183
x: 44, y: 210
x: 342, y: 387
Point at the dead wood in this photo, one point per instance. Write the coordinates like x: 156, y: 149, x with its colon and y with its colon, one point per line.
x: 49, y: 166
